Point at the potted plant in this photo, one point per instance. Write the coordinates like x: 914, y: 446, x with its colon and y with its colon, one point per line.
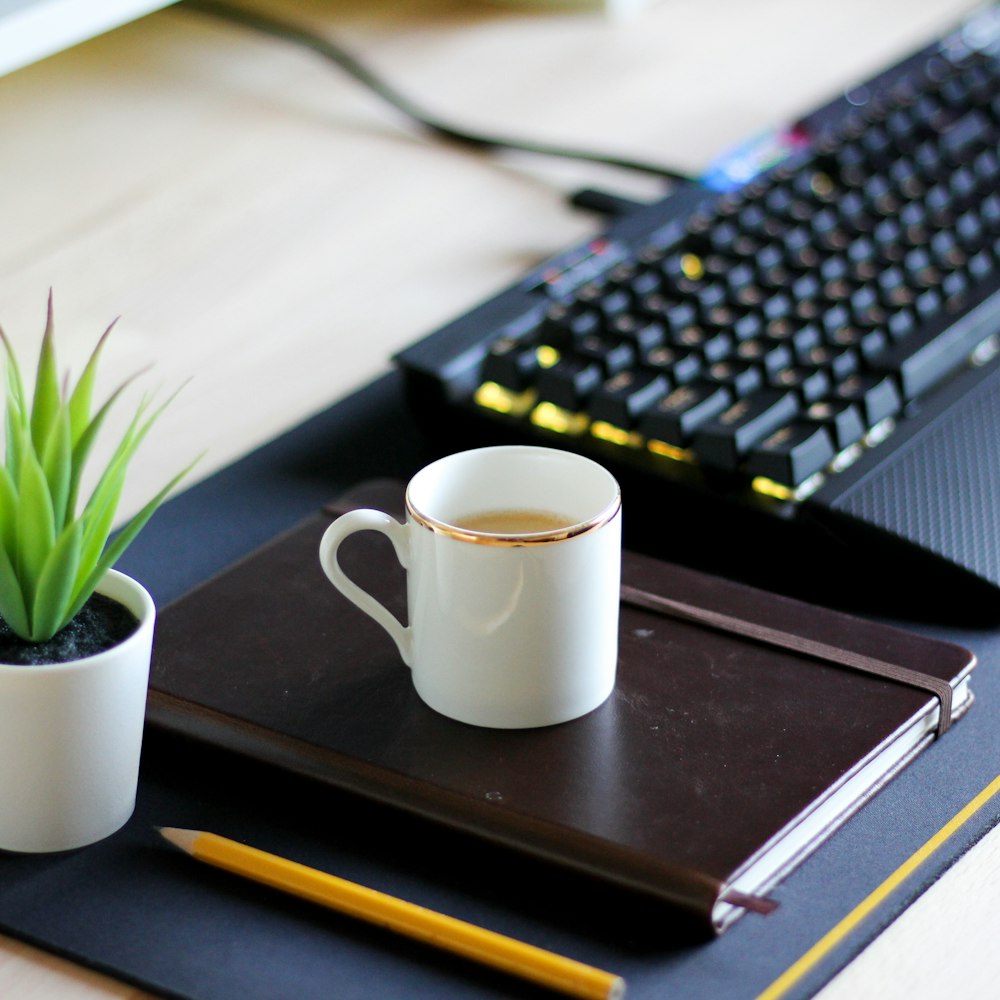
x: 75, y: 635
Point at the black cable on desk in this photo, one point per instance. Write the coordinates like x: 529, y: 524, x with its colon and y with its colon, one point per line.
x: 340, y: 57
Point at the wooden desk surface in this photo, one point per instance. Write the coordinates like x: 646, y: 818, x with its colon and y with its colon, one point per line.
x: 262, y: 224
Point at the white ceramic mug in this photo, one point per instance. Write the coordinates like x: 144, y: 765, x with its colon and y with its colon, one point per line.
x: 508, y: 628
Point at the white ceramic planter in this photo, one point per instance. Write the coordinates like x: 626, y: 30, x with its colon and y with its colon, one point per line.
x: 70, y: 736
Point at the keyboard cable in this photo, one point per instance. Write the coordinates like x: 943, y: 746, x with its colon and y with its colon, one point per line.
x: 339, y: 56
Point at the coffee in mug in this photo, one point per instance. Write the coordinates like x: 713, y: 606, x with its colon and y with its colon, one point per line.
x: 514, y: 522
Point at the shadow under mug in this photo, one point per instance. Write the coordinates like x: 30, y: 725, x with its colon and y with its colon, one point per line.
x: 507, y: 628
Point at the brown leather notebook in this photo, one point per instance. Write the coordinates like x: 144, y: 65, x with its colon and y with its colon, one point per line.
x: 743, y: 730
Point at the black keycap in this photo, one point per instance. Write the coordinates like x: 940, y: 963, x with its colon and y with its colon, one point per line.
x: 854, y: 213
x: 748, y: 326
x: 877, y: 144
x: 972, y: 235
x: 676, y: 417
x: 721, y: 318
x: 678, y: 365
x: 901, y: 323
x: 563, y: 324
x: 645, y: 282
x: 833, y: 320
x: 842, y: 420
x: 711, y: 296
x: 800, y: 253
x: 791, y: 454
x: 770, y: 356
x: 876, y: 396
x: 945, y: 251
x: 865, y: 307
x: 888, y: 235
x: 837, y: 362
x: 717, y: 265
x: 724, y: 440
x: 640, y: 331
x: 621, y: 399
x: 714, y: 345
x: 611, y: 354
x: 860, y: 251
x: 808, y: 286
x: 871, y: 343
x: 968, y: 131
x: 777, y: 307
x: 613, y: 302
x: 963, y: 185
x: 799, y: 337
x: 510, y: 363
x: 990, y: 207
x: 741, y: 377
x: 569, y: 382
x: 676, y: 315
x: 981, y: 265
x: 723, y: 235
x: 810, y: 383
x: 929, y: 161
x: 954, y: 286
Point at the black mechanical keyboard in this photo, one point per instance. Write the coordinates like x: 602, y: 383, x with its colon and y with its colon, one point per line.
x: 807, y: 336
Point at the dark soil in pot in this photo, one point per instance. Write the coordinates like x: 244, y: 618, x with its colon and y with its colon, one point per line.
x: 101, y: 624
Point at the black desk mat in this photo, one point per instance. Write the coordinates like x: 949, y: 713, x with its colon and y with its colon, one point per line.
x: 142, y: 912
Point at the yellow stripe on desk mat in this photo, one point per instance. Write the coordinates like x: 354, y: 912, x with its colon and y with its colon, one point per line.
x: 833, y: 937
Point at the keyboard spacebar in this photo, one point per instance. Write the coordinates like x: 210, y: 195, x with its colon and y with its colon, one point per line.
x: 938, y: 350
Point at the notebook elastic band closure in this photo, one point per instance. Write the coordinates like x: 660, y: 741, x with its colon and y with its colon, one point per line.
x: 799, y: 644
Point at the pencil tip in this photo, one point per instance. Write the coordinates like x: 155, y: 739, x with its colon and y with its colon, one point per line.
x: 184, y: 839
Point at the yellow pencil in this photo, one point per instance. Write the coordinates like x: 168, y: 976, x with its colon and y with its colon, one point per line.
x: 476, y: 943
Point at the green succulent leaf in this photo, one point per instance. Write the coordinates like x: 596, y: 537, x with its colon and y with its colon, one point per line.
x: 124, y: 538
x: 36, y: 530
x: 111, y: 481
x: 46, y: 403
x: 15, y: 412
x: 15, y: 384
x: 13, y: 436
x: 56, y: 585
x: 99, y: 512
x: 57, y: 464
x: 98, y: 520
x: 8, y: 511
x: 12, y: 608
x: 83, y: 444
x: 82, y: 396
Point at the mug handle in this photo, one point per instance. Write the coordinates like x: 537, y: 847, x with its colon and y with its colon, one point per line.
x: 368, y: 520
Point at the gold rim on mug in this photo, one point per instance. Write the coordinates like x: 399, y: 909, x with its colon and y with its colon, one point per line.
x: 533, y: 538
